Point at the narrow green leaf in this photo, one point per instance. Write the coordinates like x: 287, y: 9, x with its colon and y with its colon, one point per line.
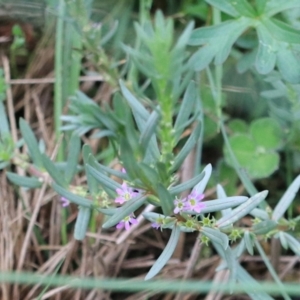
x: 103, y: 179
x: 185, y: 36
x: 264, y: 227
x: 72, y: 197
x: 245, y: 278
x: 73, y: 156
x: 166, y: 199
x: 216, y: 236
x: 31, y: 143
x: 135, y: 104
x: 4, y: 126
x: 91, y: 181
x: 286, y: 200
x: 219, y: 204
x: 186, y: 185
x: 294, y: 244
x: 149, y: 129
x: 242, y: 210
x: 53, y: 171
x: 200, y: 187
x: 186, y: 108
x: 283, y: 239
x: 249, y: 241
x: 126, y: 210
x: 260, y: 6
x: 191, y: 142
x: 259, y: 213
x: 28, y: 182
x: 82, y: 223
x: 166, y: 254
x: 222, y: 194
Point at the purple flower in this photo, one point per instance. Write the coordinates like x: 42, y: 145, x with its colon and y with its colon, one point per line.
x: 179, y: 205
x: 156, y: 225
x: 64, y: 201
x: 125, y: 193
x: 193, y: 202
x: 127, y: 222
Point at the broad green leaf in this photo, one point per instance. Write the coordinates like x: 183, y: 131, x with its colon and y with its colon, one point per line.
x: 31, y: 143
x: 203, y: 35
x: 249, y: 241
x: 82, y: 223
x: 28, y: 182
x: 200, y: 187
x: 260, y: 6
x: 216, y: 236
x: 267, y: 133
x: 258, y: 161
x: 286, y: 200
x: 288, y: 65
x: 238, y: 126
x: 126, y: 210
x: 73, y: 156
x: 220, y: 204
x: 174, y: 190
x: 166, y: 199
x: 281, y: 31
x: 244, y: 8
x: 53, y: 171
x: 246, y: 61
x: 293, y: 243
x: 224, y: 6
x: 81, y: 201
x: 203, y: 57
x: 264, y: 227
x: 267, y: 48
x: 166, y: 254
x: 187, y: 148
x: 240, y: 26
x: 242, y: 210
x: 100, y: 177
x: 275, y: 6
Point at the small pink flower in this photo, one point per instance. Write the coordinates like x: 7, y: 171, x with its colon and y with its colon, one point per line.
x: 193, y: 202
x: 179, y: 205
x: 156, y: 225
x: 127, y: 222
x: 125, y: 193
x: 64, y: 201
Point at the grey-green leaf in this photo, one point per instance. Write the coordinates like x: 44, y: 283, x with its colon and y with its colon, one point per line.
x: 216, y: 236
x: 286, y: 199
x: 126, y: 210
x: 264, y: 227
x: 73, y: 156
x: 82, y: 223
x: 31, y: 143
x: 242, y: 210
x: 166, y: 254
x: 72, y: 197
x: 28, y: 182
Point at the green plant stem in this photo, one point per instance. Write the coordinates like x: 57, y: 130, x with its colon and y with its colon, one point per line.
x: 58, y: 98
x: 58, y: 91
x: 271, y: 270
